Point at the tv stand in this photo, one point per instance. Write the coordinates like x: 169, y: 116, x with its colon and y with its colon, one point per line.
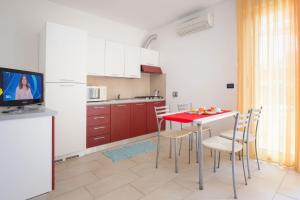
x: 28, y: 135
x: 22, y: 109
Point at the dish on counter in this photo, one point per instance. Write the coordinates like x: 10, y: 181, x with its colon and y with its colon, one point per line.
x: 210, y: 112
x: 202, y: 110
x: 192, y: 112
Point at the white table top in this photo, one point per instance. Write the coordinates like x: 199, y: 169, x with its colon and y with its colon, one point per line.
x: 212, y: 118
x: 41, y: 112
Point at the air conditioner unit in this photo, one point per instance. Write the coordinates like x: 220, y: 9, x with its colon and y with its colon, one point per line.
x: 195, y: 24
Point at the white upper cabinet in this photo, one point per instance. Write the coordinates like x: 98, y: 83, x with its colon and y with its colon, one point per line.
x: 64, y: 54
x: 96, y: 52
x: 132, y: 62
x: 114, y: 59
x: 149, y: 57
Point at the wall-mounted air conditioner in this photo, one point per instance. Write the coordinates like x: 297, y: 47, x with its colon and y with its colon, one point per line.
x: 195, y: 24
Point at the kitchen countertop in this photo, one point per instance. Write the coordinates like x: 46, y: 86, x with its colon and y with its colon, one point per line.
x: 30, y: 113
x: 118, y: 101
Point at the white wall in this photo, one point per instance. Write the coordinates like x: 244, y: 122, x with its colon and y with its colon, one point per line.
x: 22, y: 20
x: 198, y: 66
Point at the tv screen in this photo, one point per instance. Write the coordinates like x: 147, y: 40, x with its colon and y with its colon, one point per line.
x: 18, y: 88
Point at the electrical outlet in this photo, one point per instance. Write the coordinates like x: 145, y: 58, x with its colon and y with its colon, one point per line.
x: 230, y: 85
x: 175, y: 94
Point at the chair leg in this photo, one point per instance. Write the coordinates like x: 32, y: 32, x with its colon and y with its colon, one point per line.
x: 215, y: 160
x: 196, y: 147
x: 258, y: 165
x: 219, y: 159
x: 157, y: 151
x: 233, y: 175
x: 192, y: 140
x: 239, y: 153
x: 248, y: 159
x: 176, y: 156
x: 244, y: 167
x: 209, y: 132
x: 190, y: 148
x: 170, y: 150
x: 180, y: 146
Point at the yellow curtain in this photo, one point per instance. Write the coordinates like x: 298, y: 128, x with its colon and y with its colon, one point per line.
x: 268, y: 74
x: 297, y: 154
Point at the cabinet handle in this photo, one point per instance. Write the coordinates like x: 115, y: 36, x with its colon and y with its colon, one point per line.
x: 68, y: 80
x: 99, y: 138
x: 99, y: 117
x: 98, y: 107
x: 67, y: 85
x: 121, y: 105
x: 100, y: 127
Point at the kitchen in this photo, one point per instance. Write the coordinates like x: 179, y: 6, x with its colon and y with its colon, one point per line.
x: 116, y: 65
x: 105, y: 70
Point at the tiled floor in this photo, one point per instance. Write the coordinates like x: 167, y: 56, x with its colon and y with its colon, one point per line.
x: 96, y: 177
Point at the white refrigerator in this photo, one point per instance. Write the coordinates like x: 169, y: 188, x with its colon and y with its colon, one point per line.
x: 63, y: 61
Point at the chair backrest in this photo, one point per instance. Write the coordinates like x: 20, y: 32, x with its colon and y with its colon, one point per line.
x: 255, y: 117
x: 255, y: 114
x: 184, y: 107
x: 242, y: 124
x: 159, y: 111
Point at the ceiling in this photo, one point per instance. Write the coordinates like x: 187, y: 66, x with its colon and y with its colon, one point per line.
x: 144, y: 14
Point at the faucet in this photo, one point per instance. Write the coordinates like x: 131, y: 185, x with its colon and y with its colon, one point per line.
x: 118, y: 96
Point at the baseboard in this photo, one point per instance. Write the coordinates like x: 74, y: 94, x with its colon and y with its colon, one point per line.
x: 104, y: 147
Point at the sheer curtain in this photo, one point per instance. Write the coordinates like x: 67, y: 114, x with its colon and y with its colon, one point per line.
x: 268, y: 74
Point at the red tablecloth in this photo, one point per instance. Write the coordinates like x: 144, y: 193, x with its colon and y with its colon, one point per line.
x: 187, y: 117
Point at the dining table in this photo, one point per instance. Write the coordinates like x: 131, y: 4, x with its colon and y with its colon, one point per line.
x: 199, y: 120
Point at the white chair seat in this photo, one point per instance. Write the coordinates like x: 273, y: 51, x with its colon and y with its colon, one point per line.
x: 175, y: 133
x: 221, y: 144
x: 195, y: 128
x: 239, y: 135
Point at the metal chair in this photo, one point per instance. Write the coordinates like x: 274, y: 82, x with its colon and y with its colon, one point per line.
x: 173, y: 135
x: 255, y: 115
x: 192, y: 127
x: 219, y: 144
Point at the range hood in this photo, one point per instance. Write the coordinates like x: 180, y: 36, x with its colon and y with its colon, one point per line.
x: 151, y: 69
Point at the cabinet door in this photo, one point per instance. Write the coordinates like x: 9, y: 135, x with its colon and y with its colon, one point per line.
x: 70, y: 121
x: 120, y: 122
x: 149, y: 57
x: 151, y: 117
x: 96, y: 48
x: 138, y: 119
x: 65, y: 54
x: 114, y: 59
x: 132, y: 62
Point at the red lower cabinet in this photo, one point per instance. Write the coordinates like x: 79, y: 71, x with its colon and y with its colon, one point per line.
x: 138, y: 119
x: 151, y: 117
x: 98, y: 140
x: 120, y: 122
x: 98, y: 130
x: 110, y: 123
x: 98, y: 125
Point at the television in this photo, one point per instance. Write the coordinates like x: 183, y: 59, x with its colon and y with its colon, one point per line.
x: 20, y: 88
